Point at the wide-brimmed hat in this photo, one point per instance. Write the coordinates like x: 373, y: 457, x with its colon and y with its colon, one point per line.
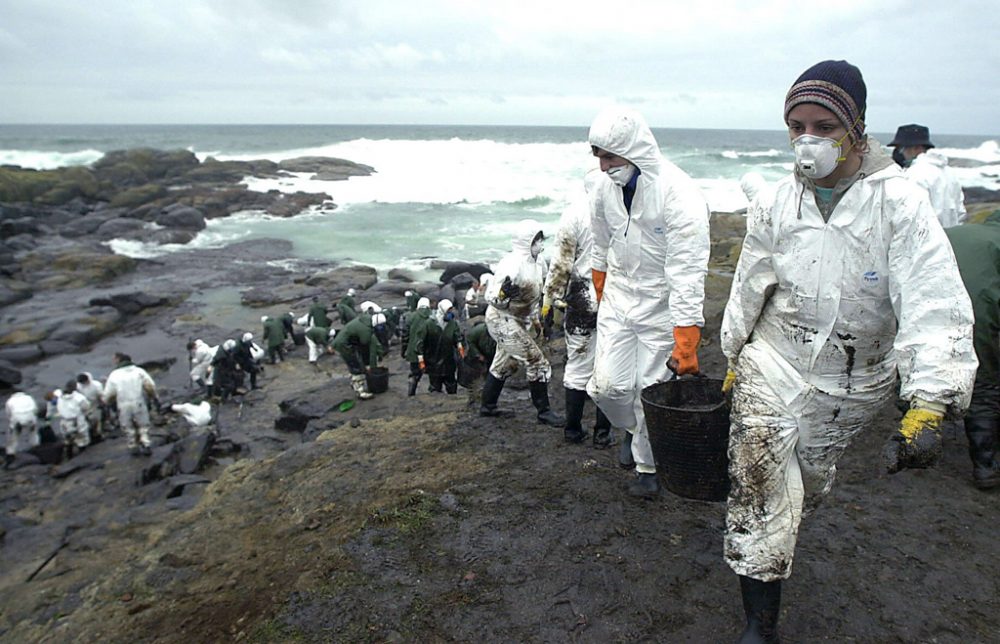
x: 912, y: 134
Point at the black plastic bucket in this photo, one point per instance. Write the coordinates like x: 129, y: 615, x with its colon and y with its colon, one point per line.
x: 688, y: 422
x: 378, y: 380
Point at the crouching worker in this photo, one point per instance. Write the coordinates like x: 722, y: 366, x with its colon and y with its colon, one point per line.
x: 22, y: 428
x: 845, y: 279
x: 361, y: 350
x: 246, y: 360
x: 512, y: 318
x: 132, y: 389
x: 318, y: 339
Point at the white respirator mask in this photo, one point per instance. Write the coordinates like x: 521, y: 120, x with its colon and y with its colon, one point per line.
x: 622, y: 174
x: 817, y: 157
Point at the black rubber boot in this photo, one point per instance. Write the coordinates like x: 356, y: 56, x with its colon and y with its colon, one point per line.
x: 625, y: 459
x: 412, y: 391
x: 644, y: 486
x: 982, y: 434
x: 602, y: 432
x: 491, y: 394
x: 575, y: 401
x: 540, y: 399
x: 761, y: 603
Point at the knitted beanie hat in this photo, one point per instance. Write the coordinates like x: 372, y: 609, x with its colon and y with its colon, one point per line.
x: 836, y: 85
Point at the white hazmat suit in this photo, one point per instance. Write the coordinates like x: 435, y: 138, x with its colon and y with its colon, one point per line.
x: 569, y: 279
x: 656, y: 257
x: 22, y: 419
x: 130, y: 385
x: 820, y: 317
x: 510, y: 316
x: 73, y: 408
x: 201, y: 361
x: 92, y: 389
x: 930, y: 171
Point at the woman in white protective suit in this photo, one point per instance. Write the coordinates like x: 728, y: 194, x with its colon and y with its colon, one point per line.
x: 845, y: 278
x: 570, y: 288
x: 649, y: 260
x: 514, y: 296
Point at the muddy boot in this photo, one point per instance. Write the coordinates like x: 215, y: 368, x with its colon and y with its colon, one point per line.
x: 360, y: 388
x: 644, y: 486
x: 491, y: 394
x: 982, y: 433
x: 540, y: 399
x: 412, y: 391
x: 575, y: 401
x: 602, y: 432
x: 761, y: 603
x: 625, y: 460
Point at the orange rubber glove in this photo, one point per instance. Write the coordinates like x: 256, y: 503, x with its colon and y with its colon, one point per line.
x: 421, y: 363
x: 461, y: 352
x: 684, y: 358
x: 598, y: 277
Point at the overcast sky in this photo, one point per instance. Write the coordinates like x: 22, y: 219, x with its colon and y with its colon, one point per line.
x: 683, y: 64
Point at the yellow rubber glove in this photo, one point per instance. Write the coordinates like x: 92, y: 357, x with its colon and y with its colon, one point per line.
x: 546, y: 306
x: 917, y: 441
x: 727, y: 384
x: 599, y: 277
x: 684, y: 359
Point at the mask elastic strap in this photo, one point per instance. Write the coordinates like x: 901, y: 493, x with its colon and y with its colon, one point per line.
x: 840, y: 143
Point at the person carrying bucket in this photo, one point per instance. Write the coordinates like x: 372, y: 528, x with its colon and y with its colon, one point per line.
x: 649, y: 261
x: 845, y: 279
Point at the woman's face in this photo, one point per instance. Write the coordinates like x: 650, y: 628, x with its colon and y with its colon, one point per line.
x: 810, y: 118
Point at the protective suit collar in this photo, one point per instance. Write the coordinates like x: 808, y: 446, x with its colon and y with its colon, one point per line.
x: 933, y: 157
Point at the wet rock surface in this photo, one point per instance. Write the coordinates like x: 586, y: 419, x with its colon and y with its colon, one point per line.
x: 412, y: 518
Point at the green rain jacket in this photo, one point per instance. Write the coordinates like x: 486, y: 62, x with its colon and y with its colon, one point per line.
x: 481, y: 343
x: 359, y: 334
x: 346, y: 309
x: 274, y: 332
x: 977, y: 249
x: 417, y: 333
x: 448, y: 339
x: 319, y: 335
x: 317, y: 315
